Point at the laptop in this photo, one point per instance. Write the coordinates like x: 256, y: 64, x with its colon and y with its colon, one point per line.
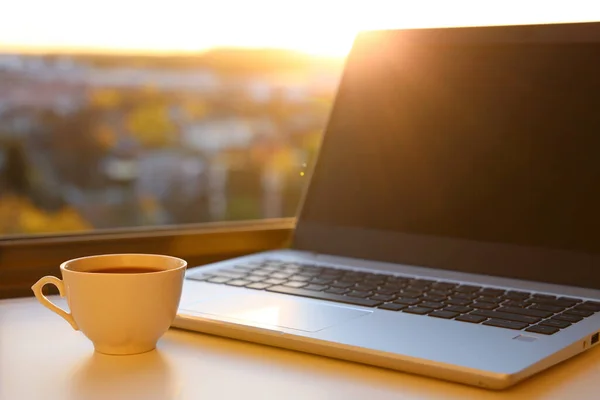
x: 450, y: 227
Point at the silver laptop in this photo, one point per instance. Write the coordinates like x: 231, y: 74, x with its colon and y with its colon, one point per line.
x: 450, y: 227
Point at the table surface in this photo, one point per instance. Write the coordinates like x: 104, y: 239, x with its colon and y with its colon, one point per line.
x: 42, y: 357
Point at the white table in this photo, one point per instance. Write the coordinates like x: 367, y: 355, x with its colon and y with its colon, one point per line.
x: 41, y: 357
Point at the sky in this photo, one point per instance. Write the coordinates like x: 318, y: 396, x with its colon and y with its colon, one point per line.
x: 321, y: 27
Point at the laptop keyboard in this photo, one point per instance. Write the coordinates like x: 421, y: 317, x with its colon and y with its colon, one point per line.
x: 533, y: 312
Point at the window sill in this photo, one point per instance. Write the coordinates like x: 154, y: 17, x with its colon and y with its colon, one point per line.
x: 24, y: 260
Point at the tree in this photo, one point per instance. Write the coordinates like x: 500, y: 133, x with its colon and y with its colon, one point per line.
x: 151, y: 125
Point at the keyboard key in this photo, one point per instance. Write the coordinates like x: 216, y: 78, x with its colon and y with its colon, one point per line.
x: 218, y: 279
x: 431, y: 304
x: 349, y: 280
x: 416, y: 289
x: 562, y: 303
x: 556, y: 323
x: 258, y: 285
x: 397, y: 280
x: 458, y: 302
x: 466, y: 296
x: 551, y: 302
x: 439, y: 292
x: 571, y: 299
x: 261, y: 272
x: 255, y: 278
x: 275, y: 281
x: 588, y: 306
x: 358, y: 293
x: 407, y: 301
x: 377, y: 275
x: 280, y: 275
x: 515, y: 303
x: 543, y: 296
x: 392, y: 306
x: 324, y: 296
x: 566, y: 317
x: 383, y: 297
x: 356, y: 274
x: 467, y: 288
x: 295, y: 284
x: 337, y: 290
x: 579, y: 313
x: 417, y: 310
x: 273, y: 262
x: 458, y: 309
x: 470, y: 318
x: 443, y: 314
x: 321, y: 281
x: 507, y: 316
x: 429, y: 297
x: 246, y: 267
x: 365, y: 288
x: 229, y: 274
x: 299, y: 278
x: 393, y: 285
x: 411, y: 293
x: 486, y: 299
x: 444, y: 285
x: 387, y: 291
x: 544, y: 330
x: 546, y: 307
x: 309, y: 274
x: 420, y: 283
x: 374, y: 282
x: 329, y: 270
x: 526, y: 311
x: 491, y: 292
x: 516, y: 295
x: 484, y: 306
x: 343, y: 285
x: 237, y: 282
x: 501, y: 323
x: 270, y: 269
x: 333, y: 278
x: 318, y: 288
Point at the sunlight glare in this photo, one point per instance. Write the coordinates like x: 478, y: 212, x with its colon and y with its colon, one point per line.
x: 318, y: 27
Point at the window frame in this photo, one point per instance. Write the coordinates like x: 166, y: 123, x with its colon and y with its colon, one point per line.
x: 25, y: 259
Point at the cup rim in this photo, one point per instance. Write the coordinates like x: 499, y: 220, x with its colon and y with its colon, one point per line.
x: 183, y: 264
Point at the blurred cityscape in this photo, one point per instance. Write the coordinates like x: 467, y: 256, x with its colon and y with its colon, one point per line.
x: 111, y: 141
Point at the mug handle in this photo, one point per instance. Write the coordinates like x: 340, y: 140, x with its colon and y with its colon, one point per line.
x: 37, y: 290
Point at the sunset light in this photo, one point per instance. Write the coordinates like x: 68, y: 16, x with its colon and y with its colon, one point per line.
x: 318, y: 27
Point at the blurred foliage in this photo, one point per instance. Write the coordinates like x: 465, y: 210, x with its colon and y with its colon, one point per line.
x: 286, y: 134
x: 105, y: 98
x: 151, y: 125
x: 19, y: 216
x: 195, y: 110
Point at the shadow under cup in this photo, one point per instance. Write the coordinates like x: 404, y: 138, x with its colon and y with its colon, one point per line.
x: 123, y: 302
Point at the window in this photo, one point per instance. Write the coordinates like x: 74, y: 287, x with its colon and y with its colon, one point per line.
x: 106, y: 137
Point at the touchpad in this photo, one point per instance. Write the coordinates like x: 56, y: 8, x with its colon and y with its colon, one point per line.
x: 278, y: 311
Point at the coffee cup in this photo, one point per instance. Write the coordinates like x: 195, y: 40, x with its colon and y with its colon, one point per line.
x: 122, y: 302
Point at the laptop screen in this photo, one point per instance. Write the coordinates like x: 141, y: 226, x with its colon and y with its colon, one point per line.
x: 449, y: 147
